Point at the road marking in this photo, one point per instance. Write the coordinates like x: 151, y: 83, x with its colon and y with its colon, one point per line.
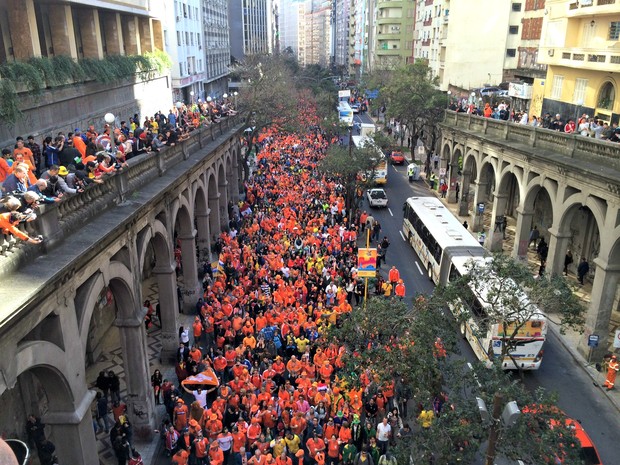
x: 419, y: 269
x: 475, y: 377
x: 391, y: 214
x: 402, y: 235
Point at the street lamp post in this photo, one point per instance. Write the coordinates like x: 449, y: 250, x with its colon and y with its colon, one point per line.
x: 449, y: 97
x: 191, y: 94
x: 235, y: 93
x: 109, y: 118
x: 506, y: 417
x: 473, y: 97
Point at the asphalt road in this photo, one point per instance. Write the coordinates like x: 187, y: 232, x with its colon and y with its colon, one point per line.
x: 560, y: 373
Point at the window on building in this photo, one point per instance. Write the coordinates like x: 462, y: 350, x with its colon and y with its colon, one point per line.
x: 614, y: 30
x: 516, y: 7
x: 181, y: 69
x: 511, y: 52
x: 580, y: 91
x: 556, y: 90
x: 513, y: 29
x: 178, y: 38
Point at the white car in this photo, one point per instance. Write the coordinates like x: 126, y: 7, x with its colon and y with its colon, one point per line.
x: 377, y: 198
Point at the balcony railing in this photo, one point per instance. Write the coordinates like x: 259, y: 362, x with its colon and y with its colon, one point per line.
x: 426, y: 42
x: 428, y: 2
x: 603, y: 59
x: 428, y: 21
x: 576, y: 6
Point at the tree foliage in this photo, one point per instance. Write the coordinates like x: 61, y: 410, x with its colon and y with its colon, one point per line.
x: 511, y: 296
x: 346, y: 164
x: 393, y: 339
x: 415, y: 100
x: 268, y: 97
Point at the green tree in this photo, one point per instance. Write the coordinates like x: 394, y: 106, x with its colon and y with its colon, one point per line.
x: 268, y: 98
x: 390, y: 339
x: 502, y: 292
x: 345, y: 164
x: 415, y: 100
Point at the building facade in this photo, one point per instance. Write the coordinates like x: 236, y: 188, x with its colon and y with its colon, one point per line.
x: 342, y: 38
x: 184, y: 43
x: 290, y: 19
x: 104, y: 29
x: 249, y: 23
x: 391, y: 33
x: 317, y: 22
x: 216, y: 48
x: 578, y: 46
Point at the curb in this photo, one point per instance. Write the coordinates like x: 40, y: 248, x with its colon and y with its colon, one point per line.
x: 596, y: 376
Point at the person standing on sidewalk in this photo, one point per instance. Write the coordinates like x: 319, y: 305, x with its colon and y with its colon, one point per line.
x: 582, y: 270
x: 612, y: 370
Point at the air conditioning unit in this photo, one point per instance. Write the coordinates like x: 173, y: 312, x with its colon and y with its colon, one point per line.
x: 551, y: 52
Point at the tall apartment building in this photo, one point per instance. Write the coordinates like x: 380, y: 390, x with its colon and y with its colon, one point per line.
x: 290, y: 17
x: 342, y: 37
x: 216, y: 47
x: 467, y: 50
x: 391, y: 33
x: 318, y: 33
x: 579, y: 46
x: 358, y: 46
x: 184, y: 43
x: 249, y: 23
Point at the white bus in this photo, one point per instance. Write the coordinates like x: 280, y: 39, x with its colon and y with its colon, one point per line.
x: 447, y: 250
x: 381, y: 168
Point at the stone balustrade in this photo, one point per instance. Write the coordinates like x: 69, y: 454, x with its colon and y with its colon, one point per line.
x: 574, y: 146
x: 57, y: 221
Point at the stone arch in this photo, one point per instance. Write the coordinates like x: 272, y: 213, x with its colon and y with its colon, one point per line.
x: 510, y: 185
x: 213, y: 196
x: 589, y: 214
x: 231, y: 178
x: 182, y: 214
x: 201, y: 217
x: 119, y: 278
x: 606, y: 94
x: 487, y: 177
x: 45, y: 360
x: 468, y: 177
x: 223, y: 200
x: 157, y: 233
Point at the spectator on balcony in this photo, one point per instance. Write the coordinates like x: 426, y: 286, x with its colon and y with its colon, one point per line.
x: 36, y: 153
x: 607, y: 132
x: 16, y: 182
x: 5, y: 168
x: 19, y: 159
x: 584, y: 127
x: 570, y: 127
x: 158, y: 143
x: 79, y: 143
x: 557, y: 124
x: 52, y: 151
x: 45, y: 193
x: 488, y: 111
x: 10, y: 219
x: 171, y: 138
x: 25, y: 152
x: 61, y: 173
x: 69, y: 154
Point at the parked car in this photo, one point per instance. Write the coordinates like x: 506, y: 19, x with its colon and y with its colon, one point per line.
x: 355, y: 107
x: 488, y: 91
x: 377, y: 198
x: 397, y: 157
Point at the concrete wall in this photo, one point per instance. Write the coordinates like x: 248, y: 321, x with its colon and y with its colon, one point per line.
x: 78, y: 106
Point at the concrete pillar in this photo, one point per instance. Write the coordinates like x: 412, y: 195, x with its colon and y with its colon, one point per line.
x: 24, y: 34
x: 73, y: 434
x: 480, y: 196
x: 522, y: 234
x: 203, y: 236
x: 453, y: 179
x: 140, y: 401
x: 464, y: 199
x: 90, y: 32
x: 131, y: 35
x: 606, y: 279
x: 214, y: 216
x: 558, y: 244
x: 145, y: 34
x: 167, y: 286
x: 157, y: 34
x: 191, y: 283
x: 62, y: 31
x: 113, y: 35
x: 495, y: 238
x: 223, y: 205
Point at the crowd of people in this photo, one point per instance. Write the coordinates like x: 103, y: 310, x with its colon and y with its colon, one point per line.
x: 288, y: 273
x: 584, y: 125
x: 64, y: 165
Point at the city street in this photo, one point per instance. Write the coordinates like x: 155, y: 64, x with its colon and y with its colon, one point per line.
x: 560, y: 373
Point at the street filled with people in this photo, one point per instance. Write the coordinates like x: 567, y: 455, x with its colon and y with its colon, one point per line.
x: 287, y: 272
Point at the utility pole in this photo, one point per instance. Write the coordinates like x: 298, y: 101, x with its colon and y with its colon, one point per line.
x: 498, y: 400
